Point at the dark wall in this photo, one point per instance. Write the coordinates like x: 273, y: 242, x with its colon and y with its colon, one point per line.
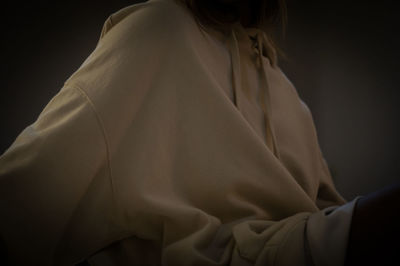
x: 343, y: 61
x: 45, y: 42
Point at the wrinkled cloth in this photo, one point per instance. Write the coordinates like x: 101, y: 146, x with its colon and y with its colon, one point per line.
x: 171, y: 145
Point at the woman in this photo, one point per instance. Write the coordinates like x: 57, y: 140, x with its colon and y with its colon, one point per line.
x: 178, y: 141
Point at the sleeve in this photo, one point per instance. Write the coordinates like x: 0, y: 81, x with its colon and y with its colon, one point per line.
x: 312, y: 239
x: 50, y: 181
x: 244, y: 243
x: 304, y: 239
x: 327, y: 234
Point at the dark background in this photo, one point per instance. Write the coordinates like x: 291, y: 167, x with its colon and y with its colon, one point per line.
x: 343, y: 59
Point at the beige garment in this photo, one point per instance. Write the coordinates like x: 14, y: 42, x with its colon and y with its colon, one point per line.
x: 152, y: 153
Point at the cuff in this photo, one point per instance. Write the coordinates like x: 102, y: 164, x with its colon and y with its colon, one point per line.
x: 327, y: 234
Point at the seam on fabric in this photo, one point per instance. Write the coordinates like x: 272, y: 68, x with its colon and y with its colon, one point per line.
x: 111, y: 21
x: 285, y: 239
x: 102, y: 128
x: 236, y: 68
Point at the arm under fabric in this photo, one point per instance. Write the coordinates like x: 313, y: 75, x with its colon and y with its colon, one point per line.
x: 54, y: 174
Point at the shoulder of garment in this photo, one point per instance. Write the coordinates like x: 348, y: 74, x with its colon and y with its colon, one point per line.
x: 156, y: 22
x: 156, y: 36
x: 166, y: 11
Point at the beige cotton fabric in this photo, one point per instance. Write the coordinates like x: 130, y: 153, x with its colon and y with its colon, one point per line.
x: 169, y: 145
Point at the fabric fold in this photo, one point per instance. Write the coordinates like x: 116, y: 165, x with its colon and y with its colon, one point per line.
x: 264, y: 47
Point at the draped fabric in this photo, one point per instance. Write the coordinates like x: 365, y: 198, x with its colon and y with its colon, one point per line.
x: 170, y: 145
